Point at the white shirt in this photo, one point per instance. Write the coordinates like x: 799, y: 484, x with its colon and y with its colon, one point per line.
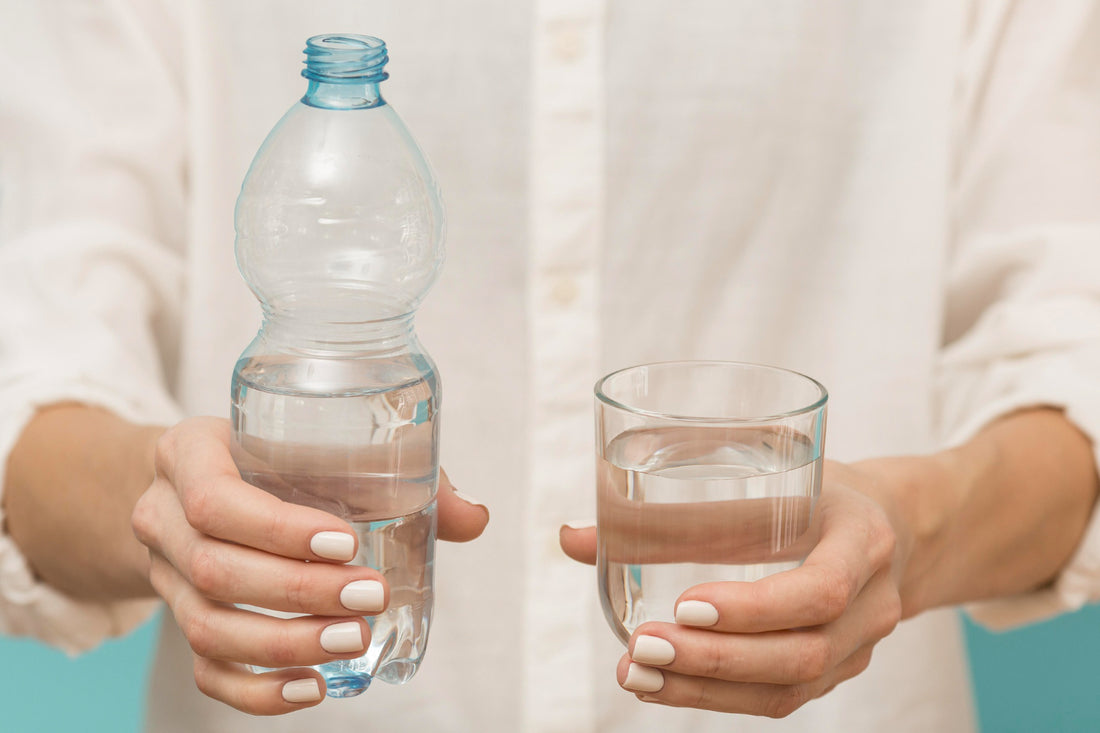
x: 899, y: 199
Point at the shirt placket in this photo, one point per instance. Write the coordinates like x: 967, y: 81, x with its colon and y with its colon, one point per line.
x: 566, y: 227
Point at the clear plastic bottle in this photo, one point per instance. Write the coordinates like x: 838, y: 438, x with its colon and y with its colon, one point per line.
x: 335, y: 403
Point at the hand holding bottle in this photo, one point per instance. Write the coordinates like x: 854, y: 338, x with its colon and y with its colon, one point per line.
x: 215, y: 541
x: 335, y: 403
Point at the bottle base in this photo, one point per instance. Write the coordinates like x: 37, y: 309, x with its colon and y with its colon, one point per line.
x: 347, y: 686
x: 398, y: 671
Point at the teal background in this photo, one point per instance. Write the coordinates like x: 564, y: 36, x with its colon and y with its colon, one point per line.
x: 43, y: 690
x: 1040, y: 678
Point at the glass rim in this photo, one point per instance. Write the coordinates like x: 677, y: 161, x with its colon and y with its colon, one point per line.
x: 819, y: 403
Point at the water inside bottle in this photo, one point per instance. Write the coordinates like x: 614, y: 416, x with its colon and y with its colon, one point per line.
x: 356, y: 438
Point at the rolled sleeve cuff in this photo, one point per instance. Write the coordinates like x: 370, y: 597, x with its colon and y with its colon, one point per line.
x: 1071, y: 384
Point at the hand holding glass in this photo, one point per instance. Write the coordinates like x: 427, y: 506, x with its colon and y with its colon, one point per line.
x: 707, y: 471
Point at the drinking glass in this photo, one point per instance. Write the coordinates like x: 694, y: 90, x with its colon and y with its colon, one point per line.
x: 707, y: 471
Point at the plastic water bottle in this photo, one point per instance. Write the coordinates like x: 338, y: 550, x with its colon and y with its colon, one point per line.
x: 335, y: 403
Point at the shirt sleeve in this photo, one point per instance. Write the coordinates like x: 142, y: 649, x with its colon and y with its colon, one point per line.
x: 1022, y: 319
x: 92, y: 191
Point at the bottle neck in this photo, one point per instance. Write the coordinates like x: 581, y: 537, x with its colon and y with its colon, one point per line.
x: 293, y: 332
x: 343, y: 95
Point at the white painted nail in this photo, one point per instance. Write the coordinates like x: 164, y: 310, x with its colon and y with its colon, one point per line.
x: 342, y: 638
x: 643, y: 679
x: 581, y: 524
x: 367, y: 596
x: 653, y: 650
x: 469, y: 499
x: 306, y: 690
x: 696, y: 613
x: 648, y: 698
x: 333, y: 545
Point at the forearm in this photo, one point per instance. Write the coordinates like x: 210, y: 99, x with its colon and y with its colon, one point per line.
x: 999, y: 515
x: 71, y: 484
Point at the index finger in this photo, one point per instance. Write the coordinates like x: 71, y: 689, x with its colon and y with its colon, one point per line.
x: 195, y: 458
x: 853, y: 547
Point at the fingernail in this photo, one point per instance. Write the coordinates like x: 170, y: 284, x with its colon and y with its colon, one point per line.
x: 469, y: 499
x: 333, y: 545
x: 367, y: 596
x: 696, y: 613
x: 643, y: 679
x: 653, y: 650
x: 581, y: 524
x: 647, y: 698
x: 306, y: 690
x: 342, y: 638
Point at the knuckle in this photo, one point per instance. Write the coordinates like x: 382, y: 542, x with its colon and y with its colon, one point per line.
x: 786, y: 701
x: 242, y: 698
x: 714, y: 662
x: 883, y: 543
x: 205, y: 572
x: 862, y: 661
x: 279, y: 527
x: 143, y: 519
x: 813, y: 658
x: 198, y: 507
x: 833, y: 597
x: 891, y: 615
x: 200, y: 636
x: 280, y: 649
x: 699, y: 698
x: 298, y: 591
x: 758, y: 599
x: 204, y: 679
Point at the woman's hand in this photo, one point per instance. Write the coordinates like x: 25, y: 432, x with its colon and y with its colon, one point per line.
x: 1001, y: 514
x: 768, y: 647
x: 215, y: 541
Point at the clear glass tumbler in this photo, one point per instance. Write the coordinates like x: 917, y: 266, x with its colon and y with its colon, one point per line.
x: 707, y: 471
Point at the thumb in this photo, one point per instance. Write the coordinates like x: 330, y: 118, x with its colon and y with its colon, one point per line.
x: 578, y: 541
x: 461, y: 518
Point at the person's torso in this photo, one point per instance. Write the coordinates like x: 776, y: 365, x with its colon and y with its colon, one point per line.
x: 625, y: 181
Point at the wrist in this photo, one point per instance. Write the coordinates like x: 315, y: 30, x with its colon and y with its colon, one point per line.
x: 73, y: 478
x: 999, y: 515
x: 920, y: 495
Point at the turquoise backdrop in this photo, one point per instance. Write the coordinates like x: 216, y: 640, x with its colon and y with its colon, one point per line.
x: 1041, y: 678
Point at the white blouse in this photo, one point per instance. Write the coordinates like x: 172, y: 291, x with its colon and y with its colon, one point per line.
x: 899, y: 199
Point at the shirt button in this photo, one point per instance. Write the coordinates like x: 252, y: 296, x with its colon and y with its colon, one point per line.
x: 568, y: 45
x: 564, y: 292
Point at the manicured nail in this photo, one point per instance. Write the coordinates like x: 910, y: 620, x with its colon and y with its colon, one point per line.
x: 696, y: 613
x: 333, y: 545
x: 367, y: 596
x: 653, y: 650
x: 469, y: 499
x: 306, y: 690
x: 581, y: 524
x: 643, y: 679
x: 648, y: 698
x: 342, y: 638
